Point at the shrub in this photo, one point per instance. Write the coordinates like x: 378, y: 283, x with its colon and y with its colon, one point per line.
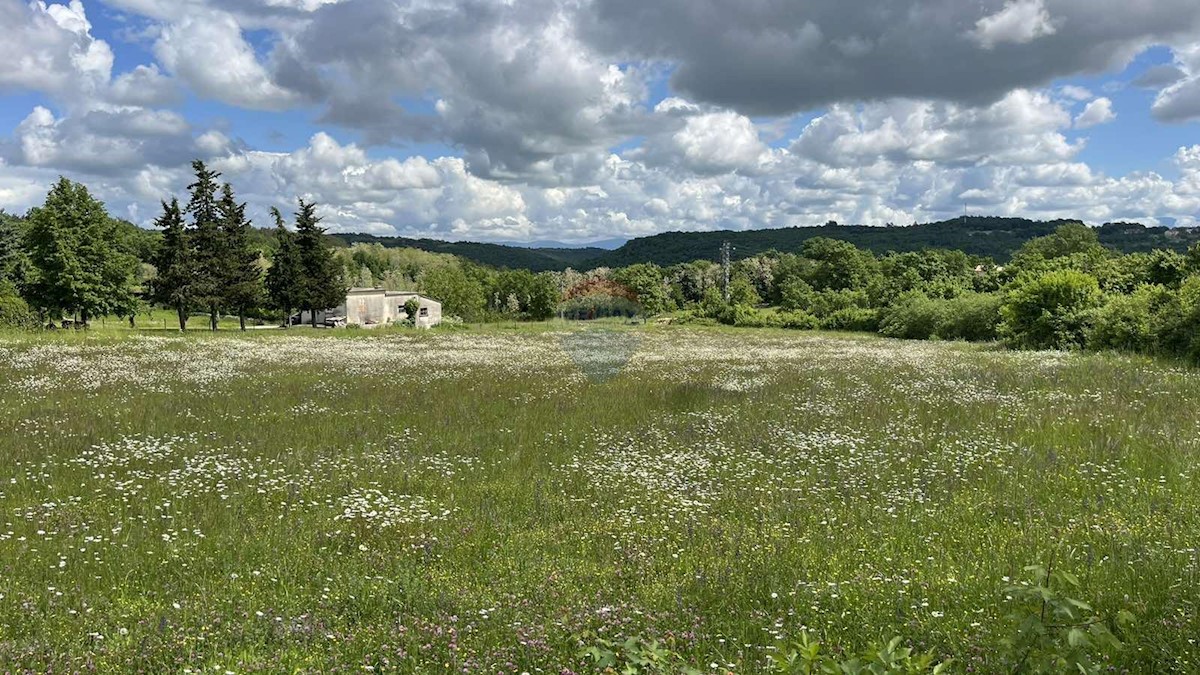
x: 1052, y: 632
x: 852, y: 319
x: 799, y: 320
x: 913, y: 317
x: 796, y: 294
x: 1052, y: 311
x: 974, y: 317
x: 827, y: 303
x: 14, y: 312
x: 1175, y: 322
x: 1126, y: 322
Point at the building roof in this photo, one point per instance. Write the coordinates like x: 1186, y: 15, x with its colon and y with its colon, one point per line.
x: 388, y: 294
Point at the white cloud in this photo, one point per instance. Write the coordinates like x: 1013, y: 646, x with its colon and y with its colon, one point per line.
x: 49, y: 48
x: 709, y: 143
x: 144, y: 86
x: 1180, y: 100
x: 1099, y: 111
x: 1023, y: 128
x: 548, y: 107
x: 208, y: 52
x: 1077, y: 93
x: 1019, y: 22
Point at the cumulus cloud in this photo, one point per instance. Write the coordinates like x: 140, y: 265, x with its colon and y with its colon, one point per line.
x: 49, y: 48
x: 1099, y: 111
x: 709, y: 143
x: 1180, y: 100
x: 585, y: 119
x: 1023, y: 128
x: 208, y: 52
x: 1019, y: 22
x: 99, y: 141
x: 767, y: 58
x: 144, y: 86
x: 514, y: 86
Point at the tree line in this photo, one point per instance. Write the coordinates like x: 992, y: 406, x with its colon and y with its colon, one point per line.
x: 68, y: 257
x: 1063, y: 290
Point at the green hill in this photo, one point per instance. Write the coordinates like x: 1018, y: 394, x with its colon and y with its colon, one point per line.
x: 495, y: 255
x: 995, y: 238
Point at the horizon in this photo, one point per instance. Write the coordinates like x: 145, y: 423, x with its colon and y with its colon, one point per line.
x: 606, y: 119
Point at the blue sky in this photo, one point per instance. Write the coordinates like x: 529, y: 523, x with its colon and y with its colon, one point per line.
x: 610, y: 118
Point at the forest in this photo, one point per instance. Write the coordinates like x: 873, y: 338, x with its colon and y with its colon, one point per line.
x: 990, y: 237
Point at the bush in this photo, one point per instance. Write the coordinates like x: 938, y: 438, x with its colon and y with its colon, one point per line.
x: 1125, y: 322
x: 1052, y: 311
x: 796, y: 294
x: 799, y: 296
x: 852, y: 319
x: 974, y: 317
x: 799, y: 320
x: 827, y: 303
x: 14, y: 312
x: 1175, y: 322
x: 913, y: 317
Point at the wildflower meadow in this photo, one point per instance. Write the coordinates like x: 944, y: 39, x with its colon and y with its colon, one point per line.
x: 614, y: 499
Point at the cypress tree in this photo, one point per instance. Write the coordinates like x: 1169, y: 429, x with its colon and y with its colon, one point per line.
x: 284, y: 279
x: 321, y: 286
x: 242, y: 283
x: 174, y: 283
x: 208, y: 241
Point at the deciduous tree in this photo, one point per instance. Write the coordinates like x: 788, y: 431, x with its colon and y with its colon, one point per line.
x: 78, y: 262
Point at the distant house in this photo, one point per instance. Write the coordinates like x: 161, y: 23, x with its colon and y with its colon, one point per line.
x: 371, y: 307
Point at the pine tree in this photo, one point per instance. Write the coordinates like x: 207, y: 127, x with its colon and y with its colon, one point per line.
x: 322, y: 285
x: 174, y: 284
x: 242, y: 285
x: 284, y: 279
x: 208, y: 241
x: 75, y: 251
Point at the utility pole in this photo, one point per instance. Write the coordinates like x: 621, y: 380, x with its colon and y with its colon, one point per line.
x: 726, y: 254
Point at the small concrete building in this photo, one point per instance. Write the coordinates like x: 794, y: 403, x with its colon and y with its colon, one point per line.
x: 371, y: 307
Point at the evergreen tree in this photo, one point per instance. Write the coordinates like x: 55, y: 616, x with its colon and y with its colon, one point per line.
x: 284, y: 278
x: 242, y: 285
x: 208, y: 241
x: 79, y: 263
x: 175, y: 283
x: 322, y: 285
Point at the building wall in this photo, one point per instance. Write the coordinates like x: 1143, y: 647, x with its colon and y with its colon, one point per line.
x: 367, y: 309
x: 429, y: 314
x: 379, y: 308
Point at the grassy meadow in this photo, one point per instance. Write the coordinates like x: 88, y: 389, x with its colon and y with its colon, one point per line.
x: 499, y: 500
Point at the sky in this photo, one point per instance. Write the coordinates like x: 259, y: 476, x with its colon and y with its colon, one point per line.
x: 582, y: 120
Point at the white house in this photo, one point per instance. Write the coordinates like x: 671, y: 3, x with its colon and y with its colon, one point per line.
x: 371, y: 307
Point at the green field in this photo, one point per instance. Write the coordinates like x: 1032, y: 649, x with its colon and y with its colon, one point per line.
x: 497, y: 500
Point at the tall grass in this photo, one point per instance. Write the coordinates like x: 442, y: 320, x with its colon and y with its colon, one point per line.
x: 476, y: 500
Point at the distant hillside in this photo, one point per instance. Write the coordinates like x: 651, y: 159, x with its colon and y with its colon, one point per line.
x: 495, y: 255
x: 995, y: 238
